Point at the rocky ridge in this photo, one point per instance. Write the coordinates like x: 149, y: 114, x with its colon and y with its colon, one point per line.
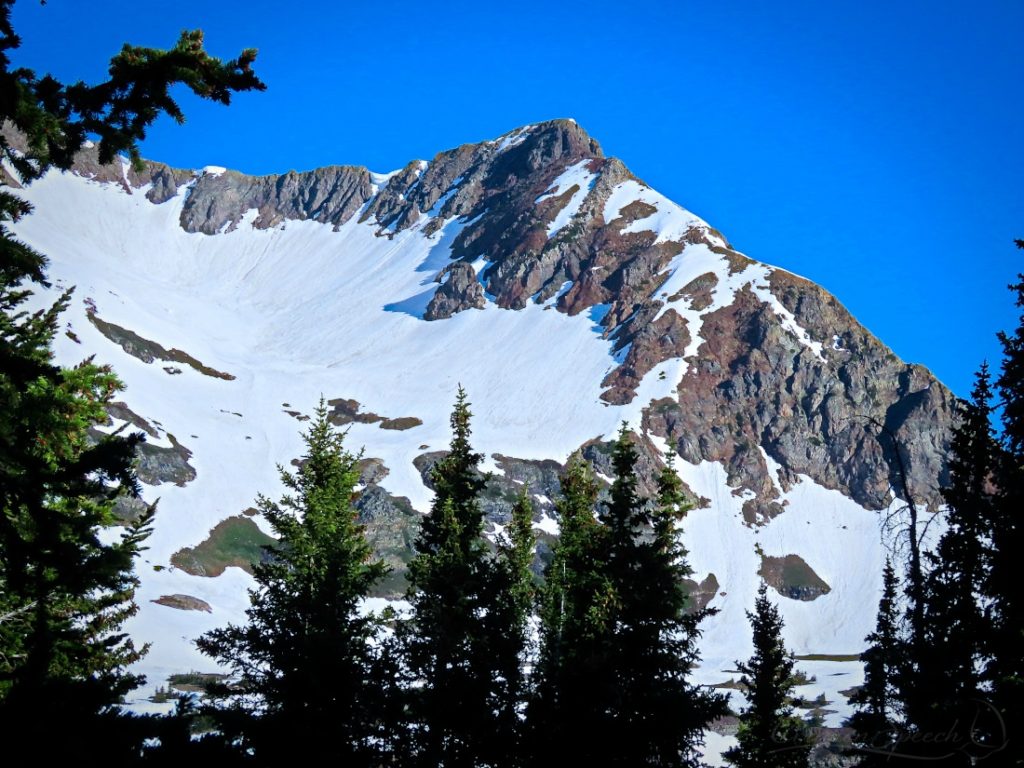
x: 777, y: 378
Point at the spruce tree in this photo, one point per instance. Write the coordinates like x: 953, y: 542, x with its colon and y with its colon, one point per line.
x: 514, y: 595
x: 770, y: 735
x: 618, y: 640
x: 452, y: 637
x: 571, y: 680
x: 659, y: 716
x: 944, y: 685
x: 1005, y: 600
x: 65, y: 588
x: 304, y: 664
x: 876, y: 722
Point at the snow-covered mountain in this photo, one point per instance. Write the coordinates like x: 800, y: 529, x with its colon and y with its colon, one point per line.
x: 562, y: 292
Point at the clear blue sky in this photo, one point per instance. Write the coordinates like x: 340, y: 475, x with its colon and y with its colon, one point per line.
x: 874, y: 147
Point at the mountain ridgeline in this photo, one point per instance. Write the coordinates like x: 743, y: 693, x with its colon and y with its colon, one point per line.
x: 795, y: 375
x: 567, y: 297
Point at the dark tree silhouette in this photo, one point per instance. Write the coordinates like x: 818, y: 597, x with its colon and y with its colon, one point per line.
x: 65, y: 593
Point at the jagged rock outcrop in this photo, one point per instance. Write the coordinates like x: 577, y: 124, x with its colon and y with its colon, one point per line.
x: 751, y: 387
x: 330, y: 195
x: 158, y: 464
x: 459, y: 290
x: 754, y: 387
x: 391, y: 526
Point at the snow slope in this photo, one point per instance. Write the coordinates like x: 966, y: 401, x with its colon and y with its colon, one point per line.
x: 302, y: 311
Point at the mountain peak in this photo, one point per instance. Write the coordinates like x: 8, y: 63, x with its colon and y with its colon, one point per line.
x: 567, y: 295
x: 539, y: 216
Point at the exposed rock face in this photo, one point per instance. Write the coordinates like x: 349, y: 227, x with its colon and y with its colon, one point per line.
x: 649, y: 342
x: 701, y: 594
x: 501, y: 491
x: 217, y: 200
x: 752, y: 387
x: 459, y: 290
x: 391, y: 526
x: 648, y: 467
x: 329, y: 195
x: 346, y: 411
x: 792, y: 577
x: 158, y: 464
x: 129, y: 509
x: 147, y: 350
x: 371, y: 471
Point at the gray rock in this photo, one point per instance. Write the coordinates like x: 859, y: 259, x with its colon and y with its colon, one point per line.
x: 165, y: 465
x: 391, y: 526
x: 330, y: 195
x: 459, y: 290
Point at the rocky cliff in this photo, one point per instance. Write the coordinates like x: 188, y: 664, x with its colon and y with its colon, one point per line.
x: 773, y: 363
x: 563, y: 292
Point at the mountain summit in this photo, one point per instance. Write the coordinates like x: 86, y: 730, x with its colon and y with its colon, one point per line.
x: 563, y: 292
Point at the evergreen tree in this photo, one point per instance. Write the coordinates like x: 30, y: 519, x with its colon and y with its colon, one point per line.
x: 1005, y: 668
x: 944, y: 684
x: 453, y: 637
x: 515, y: 594
x: 658, y: 716
x: 769, y: 735
x: 65, y: 590
x: 304, y: 661
x: 876, y: 721
x: 618, y: 641
x: 566, y: 718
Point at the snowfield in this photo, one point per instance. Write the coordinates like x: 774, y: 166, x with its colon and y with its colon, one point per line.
x: 302, y: 311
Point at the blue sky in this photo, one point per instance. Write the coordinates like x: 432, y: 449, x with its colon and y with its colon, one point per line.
x: 873, y: 147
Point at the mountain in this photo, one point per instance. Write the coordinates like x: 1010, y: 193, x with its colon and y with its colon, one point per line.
x: 565, y: 294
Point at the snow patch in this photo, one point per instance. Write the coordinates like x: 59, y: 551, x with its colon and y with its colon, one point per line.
x: 380, y: 180
x: 513, y: 139
x: 576, y: 175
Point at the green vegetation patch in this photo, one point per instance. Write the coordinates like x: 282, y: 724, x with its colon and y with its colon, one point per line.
x: 237, y: 542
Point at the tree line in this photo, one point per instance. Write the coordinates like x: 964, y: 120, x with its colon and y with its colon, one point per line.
x: 488, y: 665
x: 470, y: 674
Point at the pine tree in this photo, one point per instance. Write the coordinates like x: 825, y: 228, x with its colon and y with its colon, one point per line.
x: 769, y: 735
x: 565, y: 716
x: 1005, y: 668
x: 304, y: 661
x: 944, y: 684
x: 618, y: 641
x: 876, y: 721
x: 65, y: 591
x: 515, y: 592
x: 659, y: 716
x: 452, y: 638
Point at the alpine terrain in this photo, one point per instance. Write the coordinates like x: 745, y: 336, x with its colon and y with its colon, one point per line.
x: 565, y: 295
